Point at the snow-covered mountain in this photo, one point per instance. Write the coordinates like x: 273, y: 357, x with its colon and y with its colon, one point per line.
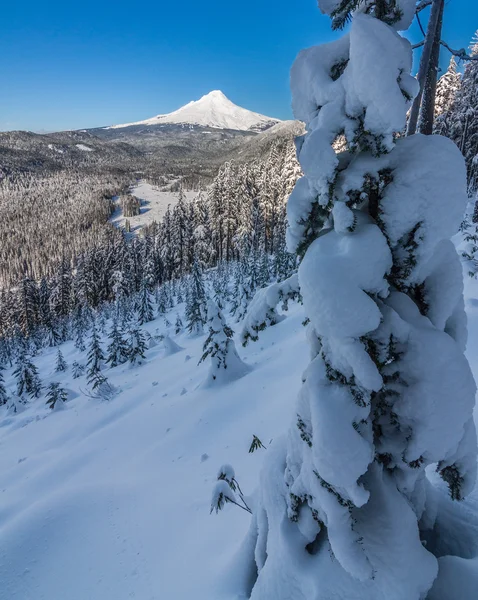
x: 212, y: 110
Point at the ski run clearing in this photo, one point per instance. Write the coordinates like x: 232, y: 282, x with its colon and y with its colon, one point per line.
x: 154, y: 204
x: 110, y: 500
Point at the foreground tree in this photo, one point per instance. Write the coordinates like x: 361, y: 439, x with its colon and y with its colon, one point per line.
x: 344, y: 506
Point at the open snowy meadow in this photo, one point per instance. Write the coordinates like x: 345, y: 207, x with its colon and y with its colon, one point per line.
x: 154, y: 204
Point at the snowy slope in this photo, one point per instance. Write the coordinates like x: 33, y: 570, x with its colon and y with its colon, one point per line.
x: 212, y: 110
x: 110, y: 500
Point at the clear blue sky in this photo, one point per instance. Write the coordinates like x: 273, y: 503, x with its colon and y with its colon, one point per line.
x: 69, y: 65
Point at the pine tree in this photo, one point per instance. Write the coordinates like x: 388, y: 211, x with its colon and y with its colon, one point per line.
x: 447, y: 89
x: 162, y: 300
x: 219, y: 345
x: 117, y: 351
x: 195, y: 304
x: 3, y: 391
x: 56, y: 395
x: 79, y: 327
x: 27, y: 378
x: 61, y: 364
x: 462, y: 118
x: 178, y: 326
x: 77, y: 369
x: 144, y: 305
x: 388, y: 391
x: 95, y: 359
x: 136, y: 346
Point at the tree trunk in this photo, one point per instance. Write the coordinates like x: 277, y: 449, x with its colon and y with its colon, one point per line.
x: 424, y: 62
x: 427, y: 112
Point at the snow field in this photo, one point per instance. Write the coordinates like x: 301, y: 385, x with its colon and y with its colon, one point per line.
x: 154, y: 206
x: 111, y: 500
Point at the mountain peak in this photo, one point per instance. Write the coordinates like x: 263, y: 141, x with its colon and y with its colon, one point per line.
x: 211, y: 110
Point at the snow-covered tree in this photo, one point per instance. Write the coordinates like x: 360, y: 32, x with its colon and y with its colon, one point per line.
x: 243, y: 290
x: 56, y: 395
x: 178, y: 325
x: 27, y: 378
x: 447, y: 88
x: 3, y: 391
x: 196, y: 302
x: 61, y: 364
x: 117, y: 351
x: 95, y: 359
x: 462, y: 118
x: 220, y: 347
x: 136, y: 346
x: 144, y: 305
x: 77, y: 369
x: 344, y: 505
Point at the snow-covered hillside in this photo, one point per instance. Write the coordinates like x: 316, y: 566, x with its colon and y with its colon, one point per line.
x: 212, y: 110
x: 111, y: 500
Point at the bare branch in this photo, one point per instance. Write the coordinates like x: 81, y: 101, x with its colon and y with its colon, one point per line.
x: 423, y: 4
x: 421, y: 26
x: 419, y: 45
x: 461, y: 54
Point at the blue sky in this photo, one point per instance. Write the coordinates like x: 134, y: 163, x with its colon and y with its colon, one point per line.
x: 68, y: 65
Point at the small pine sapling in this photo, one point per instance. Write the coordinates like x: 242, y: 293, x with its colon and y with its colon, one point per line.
x: 256, y: 444
x: 77, y: 369
x: 227, y: 490
x: 137, y: 346
x: 219, y: 345
x: 61, y: 364
x: 56, y: 396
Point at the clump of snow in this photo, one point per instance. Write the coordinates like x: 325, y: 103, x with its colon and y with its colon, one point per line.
x: 170, y: 346
x: 84, y: 148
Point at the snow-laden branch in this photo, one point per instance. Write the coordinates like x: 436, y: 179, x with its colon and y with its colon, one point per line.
x: 461, y: 54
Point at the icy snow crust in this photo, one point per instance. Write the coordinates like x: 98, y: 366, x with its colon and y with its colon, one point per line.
x: 212, y: 110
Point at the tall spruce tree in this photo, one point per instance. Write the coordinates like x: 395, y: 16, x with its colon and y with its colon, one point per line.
x: 196, y: 302
x: 447, y: 89
x: 117, y: 351
x: 95, y: 360
x: 344, y: 503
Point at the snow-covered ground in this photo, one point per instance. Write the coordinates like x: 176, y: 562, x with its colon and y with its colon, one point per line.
x: 154, y: 205
x: 110, y: 500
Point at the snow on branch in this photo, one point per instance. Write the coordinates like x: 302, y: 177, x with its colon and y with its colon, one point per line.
x: 461, y: 54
